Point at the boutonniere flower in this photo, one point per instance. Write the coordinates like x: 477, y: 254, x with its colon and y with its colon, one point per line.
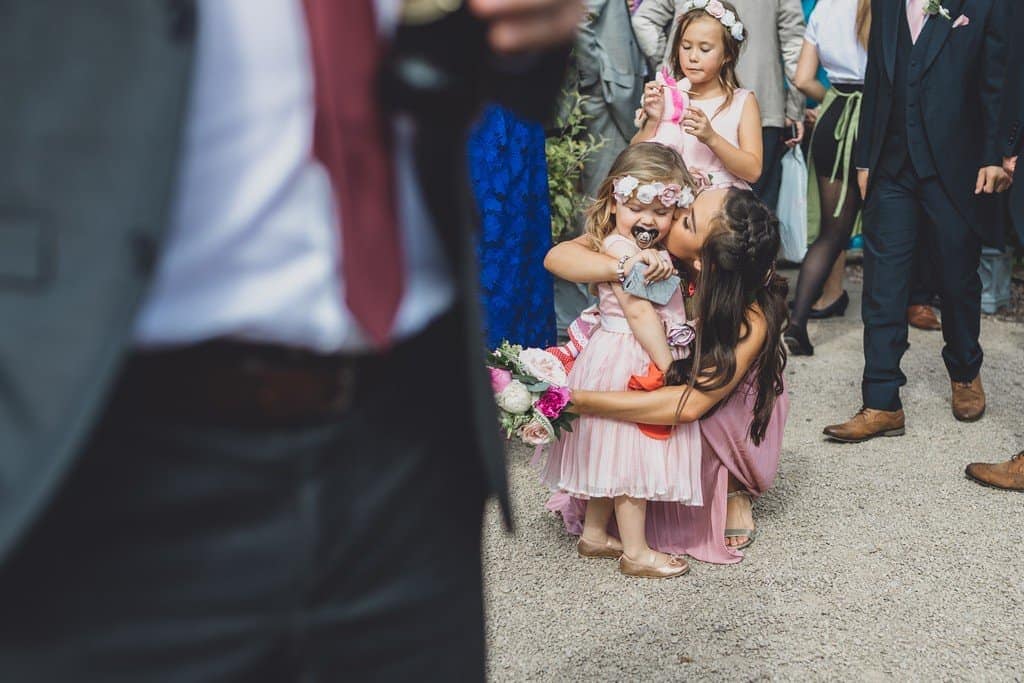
x: 934, y: 7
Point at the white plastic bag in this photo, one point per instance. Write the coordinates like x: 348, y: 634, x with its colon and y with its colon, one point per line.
x: 792, y: 209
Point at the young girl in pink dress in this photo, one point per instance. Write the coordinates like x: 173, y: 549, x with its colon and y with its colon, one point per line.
x: 696, y: 105
x: 614, y: 465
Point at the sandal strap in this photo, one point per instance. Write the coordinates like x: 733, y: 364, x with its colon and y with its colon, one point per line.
x: 735, y: 533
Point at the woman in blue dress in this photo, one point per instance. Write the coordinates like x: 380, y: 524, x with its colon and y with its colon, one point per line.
x: 509, y: 175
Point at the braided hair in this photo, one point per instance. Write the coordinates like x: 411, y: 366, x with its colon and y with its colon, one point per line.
x: 737, y: 277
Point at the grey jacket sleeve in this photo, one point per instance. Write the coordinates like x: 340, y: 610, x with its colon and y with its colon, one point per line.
x: 651, y: 23
x: 791, y: 39
x: 587, y: 59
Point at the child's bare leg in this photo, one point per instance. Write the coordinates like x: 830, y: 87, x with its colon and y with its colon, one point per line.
x: 595, y: 523
x: 631, y: 516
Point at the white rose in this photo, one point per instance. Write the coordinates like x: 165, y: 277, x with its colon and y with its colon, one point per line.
x: 737, y: 30
x: 728, y: 19
x: 685, y: 198
x: 700, y: 4
x: 645, y: 194
x: 515, y: 398
x: 536, y: 433
x: 543, y: 366
x: 624, y: 186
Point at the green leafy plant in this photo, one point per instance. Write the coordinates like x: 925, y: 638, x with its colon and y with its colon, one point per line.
x: 567, y: 152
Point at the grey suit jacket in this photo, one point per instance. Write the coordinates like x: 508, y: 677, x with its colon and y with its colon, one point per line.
x: 94, y: 98
x: 775, y: 36
x: 611, y: 77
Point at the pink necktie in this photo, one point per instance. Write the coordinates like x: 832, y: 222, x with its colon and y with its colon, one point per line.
x: 915, y: 17
x: 352, y: 140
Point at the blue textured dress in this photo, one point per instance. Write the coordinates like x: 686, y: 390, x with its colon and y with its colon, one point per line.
x: 510, y: 182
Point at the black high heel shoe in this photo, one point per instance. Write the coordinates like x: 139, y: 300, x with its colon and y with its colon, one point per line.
x: 797, y: 341
x: 836, y: 309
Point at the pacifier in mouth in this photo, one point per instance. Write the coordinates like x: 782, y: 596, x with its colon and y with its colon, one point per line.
x: 644, y: 237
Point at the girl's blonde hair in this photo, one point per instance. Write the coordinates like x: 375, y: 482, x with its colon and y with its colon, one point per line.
x: 727, y: 75
x: 863, y: 22
x: 648, y: 162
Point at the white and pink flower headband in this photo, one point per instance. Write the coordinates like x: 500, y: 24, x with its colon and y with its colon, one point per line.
x: 670, y: 194
x: 716, y: 9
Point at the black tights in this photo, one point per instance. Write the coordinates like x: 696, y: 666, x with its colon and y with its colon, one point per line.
x: 832, y: 239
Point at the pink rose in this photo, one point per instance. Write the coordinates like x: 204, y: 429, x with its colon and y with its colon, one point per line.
x: 670, y: 194
x: 716, y: 9
x: 536, y: 434
x: 552, y: 402
x: 499, y: 379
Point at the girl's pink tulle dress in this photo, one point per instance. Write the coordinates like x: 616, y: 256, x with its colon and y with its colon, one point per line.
x: 700, y: 531
x: 604, y: 458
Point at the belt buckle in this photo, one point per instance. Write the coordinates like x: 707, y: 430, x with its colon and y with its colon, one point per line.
x: 345, y: 388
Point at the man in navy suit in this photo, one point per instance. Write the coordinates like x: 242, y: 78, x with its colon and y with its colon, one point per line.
x: 929, y: 159
x: 1010, y: 474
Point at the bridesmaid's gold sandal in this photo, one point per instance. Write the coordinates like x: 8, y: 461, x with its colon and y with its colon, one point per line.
x: 751, y: 534
x: 676, y: 566
x: 587, y: 548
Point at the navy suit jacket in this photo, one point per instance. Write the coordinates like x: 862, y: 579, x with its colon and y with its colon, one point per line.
x: 1013, y: 115
x: 961, y: 97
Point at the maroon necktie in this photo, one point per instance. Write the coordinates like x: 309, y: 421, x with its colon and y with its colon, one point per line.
x: 351, y: 138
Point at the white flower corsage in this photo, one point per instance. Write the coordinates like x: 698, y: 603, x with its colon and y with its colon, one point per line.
x: 934, y: 7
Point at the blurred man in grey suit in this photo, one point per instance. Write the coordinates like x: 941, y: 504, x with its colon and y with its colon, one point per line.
x: 611, y: 72
x: 211, y: 465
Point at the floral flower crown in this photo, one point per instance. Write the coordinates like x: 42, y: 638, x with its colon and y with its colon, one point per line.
x: 670, y: 194
x: 716, y: 9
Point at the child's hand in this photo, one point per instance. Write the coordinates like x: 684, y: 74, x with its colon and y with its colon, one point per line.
x: 654, y: 101
x: 697, y: 123
x: 658, y: 267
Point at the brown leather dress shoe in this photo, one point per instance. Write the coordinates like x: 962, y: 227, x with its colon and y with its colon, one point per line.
x: 923, y: 317
x: 968, y: 400
x: 1002, y: 475
x: 867, y: 424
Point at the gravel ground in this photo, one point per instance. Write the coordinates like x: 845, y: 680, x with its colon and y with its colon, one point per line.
x: 875, y: 560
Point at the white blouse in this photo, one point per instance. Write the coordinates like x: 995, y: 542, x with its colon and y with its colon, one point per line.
x: 832, y: 28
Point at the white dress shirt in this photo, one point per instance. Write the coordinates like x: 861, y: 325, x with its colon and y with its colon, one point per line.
x: 832, y: 28
x: 253, y: 248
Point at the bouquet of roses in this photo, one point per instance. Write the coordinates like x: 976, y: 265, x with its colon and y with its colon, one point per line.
x: 529, y: 388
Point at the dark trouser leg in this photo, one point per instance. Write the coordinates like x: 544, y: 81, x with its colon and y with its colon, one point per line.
x: 179, y: 551
x: 892, y: 216
x: 767, y: 186
x: 925, y: 284
x: 956, y: 250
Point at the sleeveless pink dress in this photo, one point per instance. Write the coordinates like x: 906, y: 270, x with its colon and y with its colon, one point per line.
x: 604, y: 458
x: 703, y: 164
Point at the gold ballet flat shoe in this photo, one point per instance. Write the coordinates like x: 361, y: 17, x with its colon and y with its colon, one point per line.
x: 587, y: 548
x: 676, y: 566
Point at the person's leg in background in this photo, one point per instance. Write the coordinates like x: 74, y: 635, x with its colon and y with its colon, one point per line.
x: 767, y: 186
x: 923, y: 289
x: 956, y: 250
x: 832, y: 290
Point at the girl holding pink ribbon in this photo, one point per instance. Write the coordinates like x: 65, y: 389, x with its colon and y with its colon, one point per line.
x: 695, y: 104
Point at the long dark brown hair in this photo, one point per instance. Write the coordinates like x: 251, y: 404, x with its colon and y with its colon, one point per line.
x: 727, y: 76
x: 738, y: 274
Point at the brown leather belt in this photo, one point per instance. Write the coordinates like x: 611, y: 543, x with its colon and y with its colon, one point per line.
x: 257, y: 385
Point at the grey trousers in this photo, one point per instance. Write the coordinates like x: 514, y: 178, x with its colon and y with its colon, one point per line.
x: 178, y: 551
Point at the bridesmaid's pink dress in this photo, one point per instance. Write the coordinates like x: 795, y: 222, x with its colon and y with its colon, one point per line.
x: 700, y: 531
